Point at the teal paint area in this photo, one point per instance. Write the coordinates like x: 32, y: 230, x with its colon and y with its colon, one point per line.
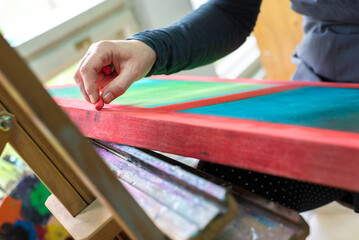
x: 153, y: 93
x: 327, y: 108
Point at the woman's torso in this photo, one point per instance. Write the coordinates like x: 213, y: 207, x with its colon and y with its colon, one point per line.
x: 329, y: 50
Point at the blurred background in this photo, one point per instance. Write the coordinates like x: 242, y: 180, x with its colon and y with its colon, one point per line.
x: 52, y: 35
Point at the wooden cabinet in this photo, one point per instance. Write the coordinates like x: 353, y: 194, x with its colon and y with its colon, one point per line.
x: 278, y: 31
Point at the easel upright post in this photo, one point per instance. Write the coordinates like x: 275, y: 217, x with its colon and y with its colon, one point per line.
x: 58, y: 153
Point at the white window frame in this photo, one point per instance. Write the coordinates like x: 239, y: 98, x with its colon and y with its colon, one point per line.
x: 62, y: 46
x: 243, y: 62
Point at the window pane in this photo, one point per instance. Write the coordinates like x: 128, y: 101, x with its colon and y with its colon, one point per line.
x: 21, y: 20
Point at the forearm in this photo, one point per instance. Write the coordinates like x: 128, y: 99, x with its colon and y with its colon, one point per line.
x: 205, y: 35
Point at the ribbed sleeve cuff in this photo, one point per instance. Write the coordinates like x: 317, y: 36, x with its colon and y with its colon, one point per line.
x: 148, y: 37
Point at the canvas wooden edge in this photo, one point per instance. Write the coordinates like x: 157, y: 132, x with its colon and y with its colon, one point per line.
x: 302, y: 153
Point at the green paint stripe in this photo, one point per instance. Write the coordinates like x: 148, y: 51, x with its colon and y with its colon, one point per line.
x: 153, y: 92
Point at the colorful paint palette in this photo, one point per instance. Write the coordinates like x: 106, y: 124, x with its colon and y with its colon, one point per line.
x: 301, y: 130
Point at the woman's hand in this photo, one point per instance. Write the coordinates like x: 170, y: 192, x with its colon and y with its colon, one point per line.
x: 131, y: 59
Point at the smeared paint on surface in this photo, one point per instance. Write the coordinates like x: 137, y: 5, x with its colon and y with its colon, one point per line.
x: 270, y: 223
x: 176, y: 171
x: 38, y: 198
x: 23, y: 192
x: 179, y: 199
x: 249, y: 224
x: 163, y: 216
x: 11, y: 210
x: 154, y: 93
x: 168, y: 205
x: 273, y: 207
x: 23, y: 214
x: 254, y: 234
x: 174, y: 204
x: 54, y: 231
x: 28, y: 227
x: 328, y: 108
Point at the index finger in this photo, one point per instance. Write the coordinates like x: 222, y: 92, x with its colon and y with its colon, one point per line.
x: 78, y: 79
x: 89, y: 69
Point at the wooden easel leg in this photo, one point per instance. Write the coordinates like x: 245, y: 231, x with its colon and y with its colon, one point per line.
x: 122, y: 236
x: 94, y: 223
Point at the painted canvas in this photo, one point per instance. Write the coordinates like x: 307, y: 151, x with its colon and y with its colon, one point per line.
x: 300, y: 130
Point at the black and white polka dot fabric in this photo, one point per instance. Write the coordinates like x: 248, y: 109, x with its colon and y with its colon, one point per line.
x: 297, y: 195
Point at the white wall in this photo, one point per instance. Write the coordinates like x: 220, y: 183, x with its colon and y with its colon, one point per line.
x: 160, y: 13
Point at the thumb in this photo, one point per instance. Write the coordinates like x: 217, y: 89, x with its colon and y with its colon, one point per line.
x: 117, y: 87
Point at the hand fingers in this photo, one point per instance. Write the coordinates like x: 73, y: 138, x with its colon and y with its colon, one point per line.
x: 78, y: 79
x: 125, y: 56
x: 86, y: 73
x: 89, y: 69
x: 117, y: 86
x: 103, y: 79
x: 77, y: 71
x: 82, y: 89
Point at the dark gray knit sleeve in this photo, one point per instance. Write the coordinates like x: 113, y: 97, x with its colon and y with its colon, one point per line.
x: 203, y: 36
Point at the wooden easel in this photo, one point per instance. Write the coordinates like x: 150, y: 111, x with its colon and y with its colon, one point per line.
x: 58, y: 153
